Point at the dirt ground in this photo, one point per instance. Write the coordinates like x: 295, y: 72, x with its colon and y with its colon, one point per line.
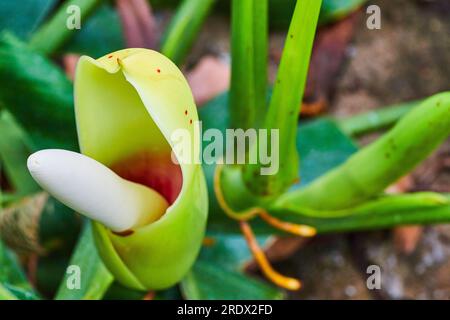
x: 407, y: 59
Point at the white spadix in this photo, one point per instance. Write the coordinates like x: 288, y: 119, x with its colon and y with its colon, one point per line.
x: 94, y: 190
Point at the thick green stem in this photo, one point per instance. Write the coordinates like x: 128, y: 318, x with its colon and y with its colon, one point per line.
x: 249, y: 62
x: 372, y: 217
x: 372, y: 169
x: 286, y: 99
x: 52, y: 35
x: 184, y: 27
x: 375, y: 120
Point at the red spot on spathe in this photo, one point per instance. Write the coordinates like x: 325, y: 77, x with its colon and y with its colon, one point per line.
x: 185, y: 112
x: 158, y: 70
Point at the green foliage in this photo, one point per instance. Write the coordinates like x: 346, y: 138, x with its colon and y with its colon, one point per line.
x: 13, y: 283
x: 95, y: 278
x: 285, y: 101
x: 183, y: 28
x: 14, y: 150
x: 38, y: 94
x: 100, y: 34
x: 23, y: 19
x: 209, y: 281
x: 54, y: 33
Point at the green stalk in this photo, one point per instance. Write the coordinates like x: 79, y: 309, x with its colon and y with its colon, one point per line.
x: 261, y: 49
x: 372, y: 169
x: 55, y: 33
x: 249, y: 62
x: 375, y: 120
x: 286, y: 100
x: 183, y: 28
x: 373, y: 217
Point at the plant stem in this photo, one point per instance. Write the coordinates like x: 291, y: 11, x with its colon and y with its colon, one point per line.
x: 183, y: 28
x: 249, y: 62
x: 53, y: 34
x: 371, y: 170
x: 286, y: 99
x: 375, y: 120
x: 372, y: 219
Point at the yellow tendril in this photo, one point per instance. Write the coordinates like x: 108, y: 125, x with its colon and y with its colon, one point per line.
x: 264, y: 264
x: 258, y: 253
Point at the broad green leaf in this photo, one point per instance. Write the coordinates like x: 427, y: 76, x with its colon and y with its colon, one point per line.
x: 38, y: 94
x: 14, y: 150
x: 55, y: 32
x: 13, y: 282
x: 100, y: 34
x: 95, y: 278
x: 321, y: 146
x: 230, y: 251
x: 22, y: 18
x: 210, y: 281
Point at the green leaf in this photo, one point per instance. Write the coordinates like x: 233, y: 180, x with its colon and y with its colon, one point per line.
x: 5, y: 294
x: 13, y: 283
x: 95, y: 278
x: 14, y: 150
x: 100, y: 34
x: 183, y: 28
x: 321, y: 146
x: 54, y: 33
x: 22, y: 19
x: 210, y: 281
x: 333, y: 10
x: 286, y: 98
x: 230, y: 251
x: 38, y: 94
